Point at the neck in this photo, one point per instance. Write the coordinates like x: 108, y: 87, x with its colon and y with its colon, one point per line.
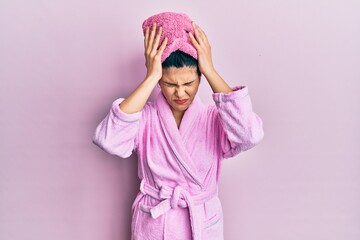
x: 178, y: 116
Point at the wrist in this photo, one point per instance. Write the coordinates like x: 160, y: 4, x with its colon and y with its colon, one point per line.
x: 151, y: 79
x: 211, y: 74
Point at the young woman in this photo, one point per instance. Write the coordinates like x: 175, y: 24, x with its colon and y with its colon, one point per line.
x: 180, y: 142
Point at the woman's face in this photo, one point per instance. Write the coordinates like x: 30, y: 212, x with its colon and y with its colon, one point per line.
x: 179, y: 86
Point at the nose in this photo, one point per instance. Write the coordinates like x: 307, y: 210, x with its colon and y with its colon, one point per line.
x: 180, y: 92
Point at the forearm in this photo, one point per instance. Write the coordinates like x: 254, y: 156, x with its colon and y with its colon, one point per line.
x: 136, y: 101
x: 217, y: 84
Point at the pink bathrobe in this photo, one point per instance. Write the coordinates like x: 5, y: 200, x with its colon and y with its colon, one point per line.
x: 179, y: 168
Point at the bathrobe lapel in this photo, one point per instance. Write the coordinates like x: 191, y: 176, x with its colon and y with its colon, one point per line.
x: 175, y: 137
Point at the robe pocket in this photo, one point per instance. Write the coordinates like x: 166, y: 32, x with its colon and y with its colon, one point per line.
x: 212, y: 212
x: 212, y: 228
x: 212, y: 221
x: 146, y: 227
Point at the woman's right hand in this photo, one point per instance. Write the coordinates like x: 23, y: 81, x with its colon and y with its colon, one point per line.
x: 152, y: 53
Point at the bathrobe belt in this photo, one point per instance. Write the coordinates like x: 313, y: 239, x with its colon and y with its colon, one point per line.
x: 172, y: 198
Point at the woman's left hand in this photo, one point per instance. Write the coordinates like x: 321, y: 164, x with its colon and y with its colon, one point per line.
x: 203, y: 48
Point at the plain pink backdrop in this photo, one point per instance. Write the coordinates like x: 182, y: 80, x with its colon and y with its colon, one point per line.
x: 62, y: 63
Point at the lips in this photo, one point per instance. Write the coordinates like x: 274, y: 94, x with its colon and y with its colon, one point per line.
x: 181, y: 101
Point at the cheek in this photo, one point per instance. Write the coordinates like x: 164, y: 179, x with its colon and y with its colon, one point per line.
x: 169, y: 95
x: 193, y: 90
x: 166, y: 92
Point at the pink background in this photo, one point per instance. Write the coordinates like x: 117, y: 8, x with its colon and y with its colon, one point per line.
x: 62, y: 63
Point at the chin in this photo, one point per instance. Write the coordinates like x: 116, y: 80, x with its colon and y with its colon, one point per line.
x: 180, y: 108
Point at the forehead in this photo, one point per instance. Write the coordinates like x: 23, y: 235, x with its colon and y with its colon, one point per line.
x: 179, y: 75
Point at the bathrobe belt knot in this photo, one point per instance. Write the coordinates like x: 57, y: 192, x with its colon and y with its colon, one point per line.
x: 172, y: 198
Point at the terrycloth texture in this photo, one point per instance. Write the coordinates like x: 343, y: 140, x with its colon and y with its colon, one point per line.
x: 179, y: 168
x: 176, y: 26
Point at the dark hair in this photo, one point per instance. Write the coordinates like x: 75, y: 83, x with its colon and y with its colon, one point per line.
x: 181, y: 59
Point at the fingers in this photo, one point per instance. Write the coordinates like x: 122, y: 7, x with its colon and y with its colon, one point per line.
x: 157, y: 39
x: 201, y: 32
x: 146, y: 37
x: 163, y: 45
x: 200, y: 35
x: 194, y: 41
x: 153, y: 53
x: 151, y: 42
x: 152, y: 34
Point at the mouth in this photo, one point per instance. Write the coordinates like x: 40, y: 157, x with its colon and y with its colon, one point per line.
x: 181, y: 102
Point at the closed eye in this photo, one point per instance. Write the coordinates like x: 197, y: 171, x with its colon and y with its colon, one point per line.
x: 175, y: 85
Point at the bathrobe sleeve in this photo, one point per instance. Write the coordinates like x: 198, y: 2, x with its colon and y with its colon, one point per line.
x: 117, y: 133
x: 239, y: 128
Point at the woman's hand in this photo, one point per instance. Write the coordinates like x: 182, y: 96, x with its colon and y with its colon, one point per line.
x: 152, y: 53
x: 203, y: 48
x: 136, y: 101
x: 206, y: 66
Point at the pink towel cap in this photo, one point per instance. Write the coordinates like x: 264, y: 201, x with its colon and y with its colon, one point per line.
x: 176, y: 26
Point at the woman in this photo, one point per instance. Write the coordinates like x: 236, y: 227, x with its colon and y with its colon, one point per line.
x: 180, y: 142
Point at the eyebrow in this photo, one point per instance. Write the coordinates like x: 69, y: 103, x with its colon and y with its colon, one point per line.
x: 177, y: 84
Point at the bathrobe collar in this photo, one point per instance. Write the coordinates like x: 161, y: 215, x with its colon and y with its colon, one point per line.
x: 177, y: 137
